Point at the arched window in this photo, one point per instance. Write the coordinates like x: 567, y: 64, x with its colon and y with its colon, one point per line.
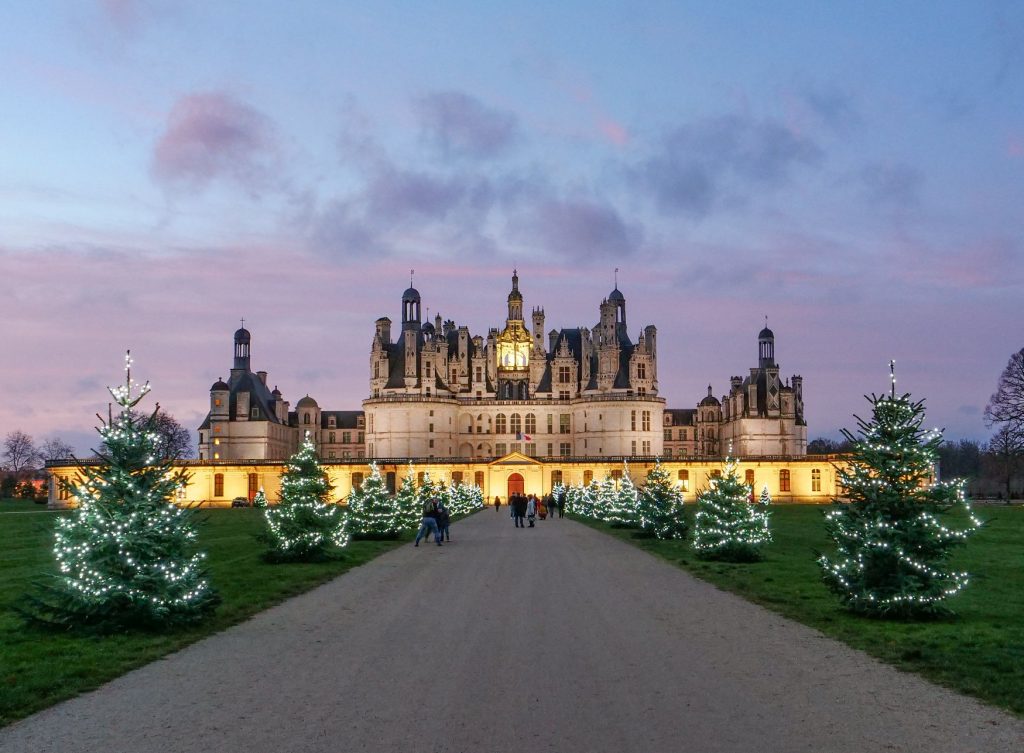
x: 305, y: 418
x: 784, y: 480
x: 218, y: 484
x: 478, y: 479
x: 531, y: 423
x: 516, y: 424
x: 816, y: 480
x: 499, y: 423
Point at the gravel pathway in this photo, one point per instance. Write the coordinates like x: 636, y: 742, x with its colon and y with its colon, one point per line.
x: 549, y: 639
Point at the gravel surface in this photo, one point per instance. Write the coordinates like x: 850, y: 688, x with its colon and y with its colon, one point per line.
x: 556, y: 638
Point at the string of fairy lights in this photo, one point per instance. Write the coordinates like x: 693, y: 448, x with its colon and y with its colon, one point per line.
x: 726, y: 524
x: 891, y: 546
x: 123, y: 552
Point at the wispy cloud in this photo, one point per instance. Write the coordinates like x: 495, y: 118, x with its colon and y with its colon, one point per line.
x: 211, y: 136
x: 457, y: 125
x: 696, y: 163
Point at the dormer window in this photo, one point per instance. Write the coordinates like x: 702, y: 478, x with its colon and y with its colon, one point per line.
x: 332, y: 422
x: 255, y: 412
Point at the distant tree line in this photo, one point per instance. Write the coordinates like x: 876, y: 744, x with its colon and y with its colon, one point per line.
x: 994, y: 468
x: 22, y: 460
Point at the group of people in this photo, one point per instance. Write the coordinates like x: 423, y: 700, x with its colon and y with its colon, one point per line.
x: 435, y: 521
x: 525, y: 509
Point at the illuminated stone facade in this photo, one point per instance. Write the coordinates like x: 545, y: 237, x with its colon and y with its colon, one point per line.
x: 810, y: 479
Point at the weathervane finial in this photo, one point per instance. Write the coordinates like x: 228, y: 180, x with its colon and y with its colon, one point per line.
x: 616, y: 278
x: 411, y: 273
x: 892, y: 377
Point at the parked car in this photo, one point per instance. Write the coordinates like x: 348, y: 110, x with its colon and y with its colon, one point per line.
x: 240, y: 502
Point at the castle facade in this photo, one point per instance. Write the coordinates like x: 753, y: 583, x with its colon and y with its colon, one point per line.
x: 438, y: 392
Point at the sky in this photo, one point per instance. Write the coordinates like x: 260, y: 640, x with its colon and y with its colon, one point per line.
x: 854, y: 172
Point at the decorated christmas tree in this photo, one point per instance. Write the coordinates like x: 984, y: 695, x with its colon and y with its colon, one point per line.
x: 727, y: 526
x: 372, y: 512
x: 893, y: 538
x: 602, y: 496
x: 766, y: 498
x: 409, y: 509
x: 305, y: 526
x: 126, y: 554
x: 260, y: 500
x: 660, y: 506
x: 622, y: 507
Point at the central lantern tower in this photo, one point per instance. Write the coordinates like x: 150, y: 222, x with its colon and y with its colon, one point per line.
x: 513, y: 350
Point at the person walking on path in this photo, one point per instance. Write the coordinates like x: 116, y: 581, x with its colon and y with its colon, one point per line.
x: 428, y: 525
x: 443, y: 519
x: 561, y: 502
x: 531, y: 510
x: 519, y: 510
x: 497, y: 504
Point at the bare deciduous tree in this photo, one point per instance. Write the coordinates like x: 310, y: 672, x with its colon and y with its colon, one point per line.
x: 1007, y: 403
x: 1007, y: 448
x: 56, y: 449
x: 175, y: 439
x: 20, y: 453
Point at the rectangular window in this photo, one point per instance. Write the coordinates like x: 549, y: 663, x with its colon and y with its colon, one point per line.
x: 784, y: 480
x: 332, y: 437
x: 426, y: 368
x: 563, y: 424
x: 563, y: 375
x: 564, y: 449
x: 218, y: 485
x: 632, y: 420
x: 357, y: 481
x: 556, y: 477
x: 684, y: 480
x: 346, y: 437
x: 668, y: 453
x: 551, y: 449
x: 816, y: 480
x: 430, y: 427
x: 563, y: 394
x: 748, y: 477
x: 647, y: 448
x: 682, y: 434
x: 645, y: 421
x: 332, y: 422
x: 479, y: 374
x: 331, y: 455
x: 632, y: 447
x: 499, y: 449
x: 617, y: 474
x: 531, y: 449
x: 456, y: 477
x: 478, y: 479
x: 390, y: 479
x: 641, y: 370
x: 668, y: 435
x: 430, y: 443
x: 361, y: 438
x: 551, y: 418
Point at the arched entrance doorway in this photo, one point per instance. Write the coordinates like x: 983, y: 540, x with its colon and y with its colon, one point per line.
x: 515, y: 484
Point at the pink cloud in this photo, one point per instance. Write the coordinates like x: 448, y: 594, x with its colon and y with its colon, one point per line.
x: 212, y: 135
x: 614, y: 132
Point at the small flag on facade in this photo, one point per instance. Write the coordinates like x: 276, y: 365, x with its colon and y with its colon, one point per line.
x: 523, y: 437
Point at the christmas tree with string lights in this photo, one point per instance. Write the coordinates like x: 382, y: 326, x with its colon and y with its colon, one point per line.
x: 622, y: 507
x: 410, y: 512
x: 892, y: 538
x: 260, y: 500
x: 765, y: 498
x: 126, y: 554
x: 372, y: 512
x: 727, y: 526
x: 660, y: 506
x: 305, y: 526
x: 602, y: 497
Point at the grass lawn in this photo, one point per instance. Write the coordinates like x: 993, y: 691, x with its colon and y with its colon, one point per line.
x: 979, y: 652
x: 39, y: 668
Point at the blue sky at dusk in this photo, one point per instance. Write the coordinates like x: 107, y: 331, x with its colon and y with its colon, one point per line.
x: 852, y: 171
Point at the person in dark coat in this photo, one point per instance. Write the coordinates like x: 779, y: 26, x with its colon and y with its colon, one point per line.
x: 443, y: 519
x: 520, y: 510
x: 497, y: 504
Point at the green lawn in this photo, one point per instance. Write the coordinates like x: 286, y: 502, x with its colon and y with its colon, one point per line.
x: 979, y: 652
x: 39, y: 668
